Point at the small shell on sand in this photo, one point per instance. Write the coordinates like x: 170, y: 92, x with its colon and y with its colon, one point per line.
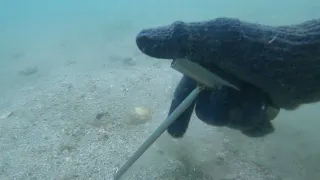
x: 5, y: 115
x: 139, y: 115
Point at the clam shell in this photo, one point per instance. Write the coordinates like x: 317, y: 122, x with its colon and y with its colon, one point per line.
x: 140, y: 115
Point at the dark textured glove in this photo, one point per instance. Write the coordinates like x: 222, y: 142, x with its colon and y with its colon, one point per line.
x: 278, y: 66
x: 283, y: 61
x: 245, y: 110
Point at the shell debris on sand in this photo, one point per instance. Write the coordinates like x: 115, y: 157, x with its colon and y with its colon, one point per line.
x: 139, y: 115
x: 5, y: 115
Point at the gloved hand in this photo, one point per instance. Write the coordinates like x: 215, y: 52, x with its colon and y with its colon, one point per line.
x: 276, y: 66
x: 246, y: 110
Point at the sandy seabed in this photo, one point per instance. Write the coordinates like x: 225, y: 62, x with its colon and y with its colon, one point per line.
x: 49, y: 127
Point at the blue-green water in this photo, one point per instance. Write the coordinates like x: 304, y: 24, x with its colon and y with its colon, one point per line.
x: 64, y: 62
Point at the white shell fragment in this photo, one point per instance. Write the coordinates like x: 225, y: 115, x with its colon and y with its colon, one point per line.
x: 139, y: 115
x: 5, y: 115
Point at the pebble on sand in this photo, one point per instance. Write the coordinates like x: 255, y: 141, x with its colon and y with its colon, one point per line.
x: 139, y: 115
x: 29, y: 71
x: 5, y: 115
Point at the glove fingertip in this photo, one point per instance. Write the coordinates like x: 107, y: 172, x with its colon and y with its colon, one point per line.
x: 177, y: 131
x: 179, y: 127
x: 260, y: 131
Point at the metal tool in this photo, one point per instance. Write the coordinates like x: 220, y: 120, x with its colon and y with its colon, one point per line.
x: 204, y: 78
x: 200, y: 74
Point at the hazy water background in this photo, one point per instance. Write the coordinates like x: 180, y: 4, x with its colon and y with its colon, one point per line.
x: 62, y: 62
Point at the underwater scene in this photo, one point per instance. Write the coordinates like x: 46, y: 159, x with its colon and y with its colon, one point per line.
x: 159, y: 90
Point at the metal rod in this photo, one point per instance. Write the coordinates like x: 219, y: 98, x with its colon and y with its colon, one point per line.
x: 158, y: 132
x: 201, y: 74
